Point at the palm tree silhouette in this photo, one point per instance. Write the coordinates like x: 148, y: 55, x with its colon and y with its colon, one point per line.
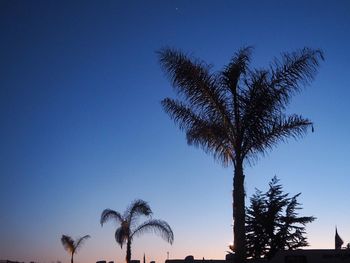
x: 128, y: 225
x: 72, y: 246
x: 237, y: 113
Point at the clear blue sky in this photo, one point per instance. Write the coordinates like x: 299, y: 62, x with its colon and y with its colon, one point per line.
x: 82, y: 128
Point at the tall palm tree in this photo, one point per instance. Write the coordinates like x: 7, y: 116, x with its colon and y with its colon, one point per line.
x: 72, y: 246
x: 239, y: 112
x: 129, y: 228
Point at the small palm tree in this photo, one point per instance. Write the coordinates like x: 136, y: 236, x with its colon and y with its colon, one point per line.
x: 72, y: 246
x: 239, y: 112
x: 129, y: 229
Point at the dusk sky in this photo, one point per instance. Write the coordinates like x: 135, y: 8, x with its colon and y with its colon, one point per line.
x: 82, y: 128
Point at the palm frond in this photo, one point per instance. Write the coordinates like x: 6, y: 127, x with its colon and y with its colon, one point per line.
x: 193, y: 81
x: 200, y: 131
x: 279, y: 130
x: 121, y: 235
x: 258, y: 107
x: 80, y: 242
x: 187, y: 76
x: 155, y: 226
x: 212, y: 138
x: 68, y: 243
x: 108, y: 214
x: 237, y: 67
x: 137, y: 208
x: 294, y: 70
x: 182, y: 115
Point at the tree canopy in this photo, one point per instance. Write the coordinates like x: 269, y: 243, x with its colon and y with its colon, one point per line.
x: 273, y: 222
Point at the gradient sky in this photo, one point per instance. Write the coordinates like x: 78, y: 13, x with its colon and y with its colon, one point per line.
x: 82, y: 128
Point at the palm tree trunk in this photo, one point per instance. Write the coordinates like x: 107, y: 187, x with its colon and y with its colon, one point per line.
x: 71, y: 259
x: 239, y: 214
x: 128, y: 251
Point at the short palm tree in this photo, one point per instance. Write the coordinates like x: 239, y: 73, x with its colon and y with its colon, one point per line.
x: 72, y: 246
x: 239, y: 112
x: 129, y: 229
